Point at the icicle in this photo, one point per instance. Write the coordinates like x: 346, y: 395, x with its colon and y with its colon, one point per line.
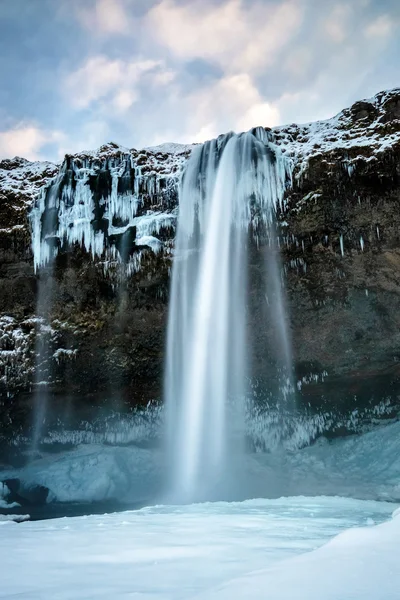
x: 341, y: 245
x: 362, y: 243
x: 66, y: 211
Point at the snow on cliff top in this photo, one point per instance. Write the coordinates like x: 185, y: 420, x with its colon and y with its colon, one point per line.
x: 164, y: 159
x: 171, y: 148
x: 366, y: 128
x: 21, y: 177
x: 24, y: 178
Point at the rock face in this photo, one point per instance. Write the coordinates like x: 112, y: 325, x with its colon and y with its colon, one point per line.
x: 108, y: 219
x: 342, y: 253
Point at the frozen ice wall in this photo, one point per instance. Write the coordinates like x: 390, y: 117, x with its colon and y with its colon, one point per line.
x: 113, y: 204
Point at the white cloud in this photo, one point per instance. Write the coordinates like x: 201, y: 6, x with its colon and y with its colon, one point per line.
x: 298, y: 61
x: 29, y: 140
x: 105, y: 17
x: 234, y: 35
x: 93, y: 80
x: 124, y: 99
x: 343, y: 79
x: 164, y: 77
x: 266, y: 73
x: 382, y: 27
x: 207, y: 132
x: 26, y: 140
x: 116, y: 80
x: 337, y: 24
x: 232, y: 103
x: 263, y: 113
x: 111, y: 16
x: 93, y: 134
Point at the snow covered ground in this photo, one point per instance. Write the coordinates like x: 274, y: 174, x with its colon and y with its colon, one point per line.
x: 255, y: 549
x: 289, y: 548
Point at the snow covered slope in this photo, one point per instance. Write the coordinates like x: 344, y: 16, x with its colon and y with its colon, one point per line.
x: 359, y: 564
x: 25, y: 178
x: 363, y: 131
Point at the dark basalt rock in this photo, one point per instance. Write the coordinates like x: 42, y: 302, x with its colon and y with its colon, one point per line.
x: 26, y: 495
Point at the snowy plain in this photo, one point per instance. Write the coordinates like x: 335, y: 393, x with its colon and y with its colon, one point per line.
x: 253, y: 549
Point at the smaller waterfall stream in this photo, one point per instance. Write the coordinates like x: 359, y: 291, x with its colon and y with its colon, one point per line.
x: 107, y: 206
x: 45, y: 252
x: 229, y: 184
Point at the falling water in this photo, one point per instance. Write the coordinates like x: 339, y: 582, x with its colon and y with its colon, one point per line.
x: 230, y: 184
x: 44, y: 249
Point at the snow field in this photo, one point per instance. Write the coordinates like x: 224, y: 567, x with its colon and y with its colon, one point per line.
x: 207, y: 551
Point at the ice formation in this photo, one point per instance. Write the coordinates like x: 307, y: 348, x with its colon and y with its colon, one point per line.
x: 105, y: 204
x: 341, y: 244
x: 230, y: 184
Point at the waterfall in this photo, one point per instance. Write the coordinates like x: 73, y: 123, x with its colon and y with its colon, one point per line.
x: 230, y: 185
x: 44, y: 221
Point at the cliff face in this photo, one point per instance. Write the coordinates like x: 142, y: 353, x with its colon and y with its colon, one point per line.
x: 108, y: 218
x: 342, y: 253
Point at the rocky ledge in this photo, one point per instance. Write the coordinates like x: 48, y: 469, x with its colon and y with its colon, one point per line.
x: 108, y: 219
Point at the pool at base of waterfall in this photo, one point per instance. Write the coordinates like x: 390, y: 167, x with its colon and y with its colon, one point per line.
x: 289, y: 548
x: 93, y: 477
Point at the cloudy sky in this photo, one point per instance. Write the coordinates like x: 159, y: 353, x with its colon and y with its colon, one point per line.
x: 77, y: 73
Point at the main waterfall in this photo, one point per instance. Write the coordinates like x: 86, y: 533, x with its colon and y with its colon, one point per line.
x: 231, y: 185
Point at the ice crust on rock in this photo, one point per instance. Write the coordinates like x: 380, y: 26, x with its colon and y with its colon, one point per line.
x: 15, y: 344
x: 95, y: 474
x: 9, y: 518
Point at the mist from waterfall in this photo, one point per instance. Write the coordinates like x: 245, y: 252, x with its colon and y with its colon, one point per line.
x: 231, y: 185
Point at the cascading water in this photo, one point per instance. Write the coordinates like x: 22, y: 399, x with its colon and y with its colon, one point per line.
x: 45, y: 220
x: 230, y: 184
